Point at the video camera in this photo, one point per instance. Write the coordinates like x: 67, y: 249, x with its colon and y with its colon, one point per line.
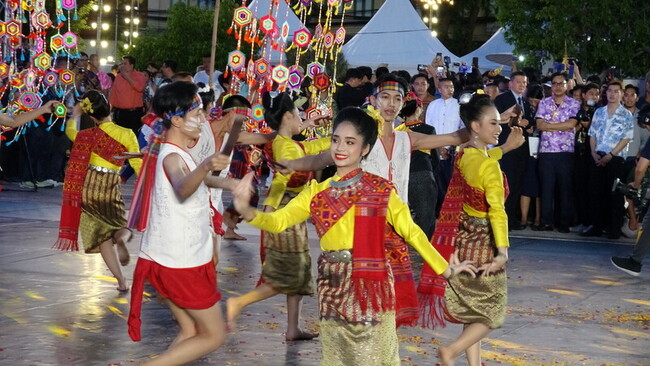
x: 644, y: 116
x: 641, y: 196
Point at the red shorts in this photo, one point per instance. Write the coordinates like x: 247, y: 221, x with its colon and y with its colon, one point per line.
x: 189, y: 288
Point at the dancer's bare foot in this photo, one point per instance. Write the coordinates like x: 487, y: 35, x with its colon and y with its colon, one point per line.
x: 446, y: 356
x: 120, y: 238
x: 300, y: 336
x: 233, y: 309
x: 232, y: 235
x: 122, y: 285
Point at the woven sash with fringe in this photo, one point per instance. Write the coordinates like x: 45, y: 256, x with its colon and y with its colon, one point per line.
x: 87, y: 141
x: 373, y: 244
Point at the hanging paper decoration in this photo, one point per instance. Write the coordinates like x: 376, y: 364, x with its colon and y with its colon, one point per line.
x: 295, y: 78
x: 70, y: 40
x: 258, y: 112
x: 13, y: 28
x: 42, y: 61
x: 280, y: 74
x: 50, y: 78
x: 26, y: 62
x: 66, y: 77
x: 322, y: 81
x: 30, y: 100
x: 314, y: 69
x: 57, y: 43
x: 236, y: 60
x: 262, y: 67
x: 60, y: 111
x: 270, y: 30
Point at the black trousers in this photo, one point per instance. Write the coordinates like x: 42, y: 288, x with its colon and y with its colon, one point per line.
x: 129, y: 118
x: 556, y: 174
x: 443, y: 177
x: 423, y: 196
x: 607, y: 208
x: 514, y: 166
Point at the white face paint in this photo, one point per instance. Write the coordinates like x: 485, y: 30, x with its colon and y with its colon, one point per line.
x: 192, y: 123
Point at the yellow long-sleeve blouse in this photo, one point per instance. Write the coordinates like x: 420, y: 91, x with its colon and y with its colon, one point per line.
x: 341, y: 234
x: 123, y: 135
x: 284, y: 148
x: 483, y: 172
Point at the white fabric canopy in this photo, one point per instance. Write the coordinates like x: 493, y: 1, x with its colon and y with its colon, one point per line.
x: 498, y: 48
x: 395, y: 35
x: 261, y: 8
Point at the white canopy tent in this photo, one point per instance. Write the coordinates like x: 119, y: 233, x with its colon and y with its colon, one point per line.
x: 494, y: 53
x: 395, y: 35
x: 261, y: 8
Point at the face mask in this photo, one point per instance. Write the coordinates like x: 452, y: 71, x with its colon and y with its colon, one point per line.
x: 591, y: 102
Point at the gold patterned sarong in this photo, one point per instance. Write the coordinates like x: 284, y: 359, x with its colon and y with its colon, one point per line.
x: 349, y: 338
x: 287, y: 263
x: 481, y: 299
x: 102, y: 210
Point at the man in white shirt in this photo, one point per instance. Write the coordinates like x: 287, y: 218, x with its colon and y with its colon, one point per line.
x: 444, y: 115
x: 202, y: 76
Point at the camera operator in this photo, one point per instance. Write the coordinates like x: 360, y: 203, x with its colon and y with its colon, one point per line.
x: 632, y: 265
x: 641, y: 134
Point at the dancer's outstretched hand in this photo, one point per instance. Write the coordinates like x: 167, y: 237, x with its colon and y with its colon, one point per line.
x: 242, y: 196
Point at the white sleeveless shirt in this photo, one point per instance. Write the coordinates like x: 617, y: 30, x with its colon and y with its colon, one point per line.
x: 179, y: 234
x: 204, y: 147
x: 396, y: 169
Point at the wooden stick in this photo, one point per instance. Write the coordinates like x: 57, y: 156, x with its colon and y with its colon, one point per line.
x: 213, y: 50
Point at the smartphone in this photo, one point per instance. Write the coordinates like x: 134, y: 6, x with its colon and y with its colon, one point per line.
x: 439, y: 56
x: 474, y: 61
x: 514, y: 120
x: 440, y: 71
x: 465, y: 69
x: 447, y: 60
x: 422, y: 67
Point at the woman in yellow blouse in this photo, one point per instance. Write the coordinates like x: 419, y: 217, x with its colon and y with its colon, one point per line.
x: 356, y: 294
x: 92, y: 201
x: 475, y: 213
x: 286, y: 264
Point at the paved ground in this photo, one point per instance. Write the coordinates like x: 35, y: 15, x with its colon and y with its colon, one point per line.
x: 568, y: 305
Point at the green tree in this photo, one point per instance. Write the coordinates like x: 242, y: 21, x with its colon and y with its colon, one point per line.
x: 599, y: 33
x: 187, y: 37
x: 457, y: 22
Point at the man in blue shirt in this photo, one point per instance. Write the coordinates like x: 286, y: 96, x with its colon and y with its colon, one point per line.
x: 611, y: 130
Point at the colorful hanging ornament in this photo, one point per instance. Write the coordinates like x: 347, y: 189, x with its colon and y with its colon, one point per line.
x: 30, y: 100
x: 262, y: 67
x: 280, y: 74
x: 66, y: 77
x: 69, y: 40
x: 236, y: 60
x: 42, y: 61
x: 257, y: 112
x: 50, y: 78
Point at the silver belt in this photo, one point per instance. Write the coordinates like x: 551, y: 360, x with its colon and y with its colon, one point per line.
x: 338, y: 256
x: 102, y: 169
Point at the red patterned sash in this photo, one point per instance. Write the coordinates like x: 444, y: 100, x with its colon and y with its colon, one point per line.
x: 87, y: 141
x: 374, y: 242
x: 431, y: 288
